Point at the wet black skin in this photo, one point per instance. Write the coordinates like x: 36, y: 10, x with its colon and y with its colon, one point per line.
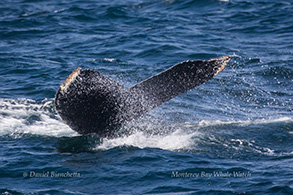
x: 93, y: 103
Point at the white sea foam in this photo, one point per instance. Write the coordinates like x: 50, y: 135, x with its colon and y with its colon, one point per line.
x: 205, y: 123
x: 242, y: 144
x: 27, y: 116
x: 186, y: 136
x: 109, y: 59
x: 176, y: 140
x: 24, y: 116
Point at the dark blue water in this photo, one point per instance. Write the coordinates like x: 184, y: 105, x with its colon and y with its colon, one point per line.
x: 231, y: 135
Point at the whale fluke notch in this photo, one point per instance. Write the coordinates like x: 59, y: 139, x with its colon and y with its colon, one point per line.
x: 90, y: 102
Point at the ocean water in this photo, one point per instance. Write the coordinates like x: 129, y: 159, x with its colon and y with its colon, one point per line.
x: 231, y: 135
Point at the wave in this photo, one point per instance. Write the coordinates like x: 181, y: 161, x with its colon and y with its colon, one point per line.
x: 245, y: 123
x: 221, y: 137
x: 28, y: 117
x: 176, y: 140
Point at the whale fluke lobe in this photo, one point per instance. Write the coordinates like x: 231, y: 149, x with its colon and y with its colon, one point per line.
x: 90, y: 102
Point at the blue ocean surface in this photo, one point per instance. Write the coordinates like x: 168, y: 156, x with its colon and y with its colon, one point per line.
x: 231, y: 135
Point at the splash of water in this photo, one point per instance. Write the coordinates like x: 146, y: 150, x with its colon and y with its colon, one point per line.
x: 25, y: 116
x: 177, y: 140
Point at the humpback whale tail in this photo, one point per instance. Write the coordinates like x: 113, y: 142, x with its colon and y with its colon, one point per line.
x: 90, y: 102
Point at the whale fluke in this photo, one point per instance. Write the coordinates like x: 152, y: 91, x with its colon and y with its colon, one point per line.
x: 90, y: 102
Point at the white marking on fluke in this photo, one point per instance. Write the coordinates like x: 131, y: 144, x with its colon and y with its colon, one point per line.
x: 69, y: 80
x: 225, y: 60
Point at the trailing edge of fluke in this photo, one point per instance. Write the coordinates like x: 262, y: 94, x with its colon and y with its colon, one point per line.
x: 90, y: 102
